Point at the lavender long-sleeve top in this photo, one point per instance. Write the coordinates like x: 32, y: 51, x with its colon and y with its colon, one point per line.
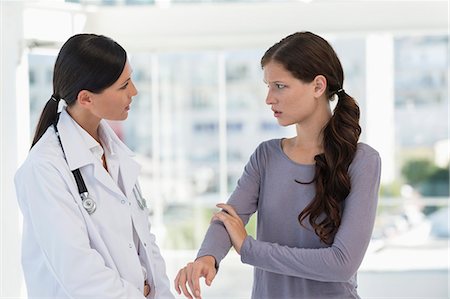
x: 289, y: 260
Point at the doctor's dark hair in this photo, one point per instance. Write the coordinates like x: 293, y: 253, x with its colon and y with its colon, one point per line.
x: 306, y: 55
x: 85, y: 62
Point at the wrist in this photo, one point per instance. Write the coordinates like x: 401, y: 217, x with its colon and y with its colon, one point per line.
x: 208, y: 259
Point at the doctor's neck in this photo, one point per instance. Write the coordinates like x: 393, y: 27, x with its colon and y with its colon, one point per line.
x: 86, y: 120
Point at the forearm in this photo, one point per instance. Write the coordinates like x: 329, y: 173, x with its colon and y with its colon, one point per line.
x: 330, y: 264
x: 216, y: 243
x: 341, y: 260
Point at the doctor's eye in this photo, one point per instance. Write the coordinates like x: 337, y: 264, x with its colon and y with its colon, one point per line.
x: 125, y: 85
x: 280, y: 85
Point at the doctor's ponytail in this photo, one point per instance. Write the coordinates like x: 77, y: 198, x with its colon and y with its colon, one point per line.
x: 48, y: 116
x: 85, y: 62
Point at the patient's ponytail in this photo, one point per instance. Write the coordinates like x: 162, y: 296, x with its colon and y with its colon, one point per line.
x: 306, y: 55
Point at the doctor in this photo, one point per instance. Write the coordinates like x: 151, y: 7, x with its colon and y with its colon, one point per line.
x: 86, y: 232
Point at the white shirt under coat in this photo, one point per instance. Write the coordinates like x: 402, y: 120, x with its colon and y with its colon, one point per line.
x: 67, y: 253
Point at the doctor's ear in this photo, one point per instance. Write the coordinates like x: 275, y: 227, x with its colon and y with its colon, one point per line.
x: 84, y: 98
x: 320, y: 85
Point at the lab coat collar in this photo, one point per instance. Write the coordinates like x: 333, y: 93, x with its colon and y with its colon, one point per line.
x: 78, y: 154
x: 129, y: 169
x: 76, y: 150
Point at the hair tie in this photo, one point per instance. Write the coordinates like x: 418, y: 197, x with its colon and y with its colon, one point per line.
x: 55, y: 98
x: 340, y: 92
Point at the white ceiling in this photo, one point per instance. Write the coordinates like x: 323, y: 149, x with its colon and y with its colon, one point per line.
x: 233, y: 25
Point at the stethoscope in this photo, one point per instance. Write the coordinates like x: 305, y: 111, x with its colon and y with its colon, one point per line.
x: 88, y: 203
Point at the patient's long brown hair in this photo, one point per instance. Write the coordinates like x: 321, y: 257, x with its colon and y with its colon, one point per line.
x: 306, y: 55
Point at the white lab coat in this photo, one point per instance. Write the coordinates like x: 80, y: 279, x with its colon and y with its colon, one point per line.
x: 67, y: 253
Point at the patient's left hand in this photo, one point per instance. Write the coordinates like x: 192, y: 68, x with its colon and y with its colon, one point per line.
x: 233, y: 223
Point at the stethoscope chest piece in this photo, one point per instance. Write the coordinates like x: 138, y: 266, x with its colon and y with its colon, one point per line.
x: 88, y: 203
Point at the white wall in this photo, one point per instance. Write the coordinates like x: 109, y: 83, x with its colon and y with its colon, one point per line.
x: 12, y: 133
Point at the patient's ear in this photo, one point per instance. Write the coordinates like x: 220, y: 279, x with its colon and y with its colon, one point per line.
x: 320, y: 85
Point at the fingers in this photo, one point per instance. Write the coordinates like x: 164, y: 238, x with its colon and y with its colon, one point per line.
x: 208, y: 269
x: 176, y: 282
x: 190, y: 275
x: 228, y: 208
x: 190, y: 279
x: 227, y: 216
x: 195, y: 281
x: 233, y: 224
x: 180, y: 280
x: 226, y: 219
x: 210, y: 276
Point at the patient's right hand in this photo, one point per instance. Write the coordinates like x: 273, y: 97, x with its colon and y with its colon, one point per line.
x: 204, y: 266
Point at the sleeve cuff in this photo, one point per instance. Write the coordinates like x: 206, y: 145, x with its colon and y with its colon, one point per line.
x: 246, y: 249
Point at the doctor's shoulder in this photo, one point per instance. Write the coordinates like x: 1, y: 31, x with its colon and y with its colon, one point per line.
x: 46, y: 154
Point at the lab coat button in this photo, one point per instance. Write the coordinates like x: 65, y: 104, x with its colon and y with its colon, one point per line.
x: 129, y: 245
x: 145, y: 244
x: 123, y: 201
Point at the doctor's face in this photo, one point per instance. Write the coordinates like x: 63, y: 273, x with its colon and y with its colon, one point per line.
x: 114, y: 102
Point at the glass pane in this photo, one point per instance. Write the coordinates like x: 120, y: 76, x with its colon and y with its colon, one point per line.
x: 421, y: 78
x: 249, y: 120
x: 41, y: 85
x: 138, y: 128
x: 189, y: 144
x: 352, y: 54
x: 410, y: 240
